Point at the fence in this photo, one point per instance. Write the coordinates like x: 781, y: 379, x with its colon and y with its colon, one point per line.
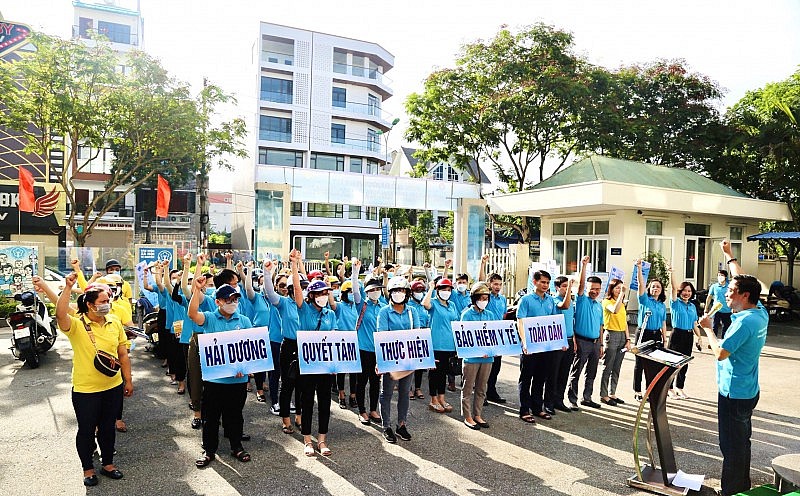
x: 504, y: 262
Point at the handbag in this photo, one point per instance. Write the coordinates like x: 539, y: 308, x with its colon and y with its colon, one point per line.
x: 105, y: 363
x: 455, y: 365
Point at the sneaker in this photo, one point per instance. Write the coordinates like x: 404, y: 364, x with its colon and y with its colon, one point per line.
x: 292, y: 409
x: 389, y: 436
x: 275, y: 409
x: 261, y: 398
x: 342, y: 403
x: 353, y: 403
x: 403, y: 434
x: 680, y: 394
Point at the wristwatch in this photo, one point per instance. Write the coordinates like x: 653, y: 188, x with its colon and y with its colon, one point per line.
x: 731, y: 261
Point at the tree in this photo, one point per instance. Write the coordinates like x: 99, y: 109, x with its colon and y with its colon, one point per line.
x: 420, y: 232
x: 69, y: 90
x: 398, y: 220
x: 512, y: 101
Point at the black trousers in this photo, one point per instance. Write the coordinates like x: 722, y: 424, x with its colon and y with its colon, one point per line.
x: 274, y: 375
x: 534, y: 371
x: 177, y: 359
x: 353, y: 382
x: 224, y: 401
x: 418, y: 378
x: 681, y: 340
x: 491, y: 385
x: 437, y: 378
x: 721, y: 323
x: 735, y: 428
x: 638, y: 370
x: 289, y: 385
x: 96, y: 412
x: 562, y: 362
x: 321, y: 385
x: 367, y: 375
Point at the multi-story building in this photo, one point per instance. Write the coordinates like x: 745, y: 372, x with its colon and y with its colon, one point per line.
x: 320, y: 127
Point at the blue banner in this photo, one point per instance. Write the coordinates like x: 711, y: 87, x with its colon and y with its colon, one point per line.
x: 224, y: 354
x: 634, y: 285
x: 328, y: 352
x: 545, y: 333
x: 385, y: 227
x: 150, y: 253
x: 399, y: 351
x: 475, y: 339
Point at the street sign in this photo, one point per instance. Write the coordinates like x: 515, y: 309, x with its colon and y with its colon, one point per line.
x: 385, y: 226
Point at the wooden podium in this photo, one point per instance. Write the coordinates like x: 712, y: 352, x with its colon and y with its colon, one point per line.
x: 660, y: 366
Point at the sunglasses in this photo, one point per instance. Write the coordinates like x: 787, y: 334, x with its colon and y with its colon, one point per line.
x: 282, y: 286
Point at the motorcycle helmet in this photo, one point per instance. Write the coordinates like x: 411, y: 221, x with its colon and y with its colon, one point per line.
x: 347, y: 286
x: 444, y: 282
x: 315, y: 274
x: 113, y: 262
x: 398, y: 283
x: 318, y: 287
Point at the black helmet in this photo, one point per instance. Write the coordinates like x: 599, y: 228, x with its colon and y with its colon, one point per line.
x: 113, y: 262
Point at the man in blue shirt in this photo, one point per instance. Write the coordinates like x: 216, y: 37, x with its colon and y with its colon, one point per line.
x: 737, y: 374
x: 534, y: 369
x: 588, y: 345
x: 498, y: 305
x: 563, y: 359
x: 223, y: 397
x: 716, y: 293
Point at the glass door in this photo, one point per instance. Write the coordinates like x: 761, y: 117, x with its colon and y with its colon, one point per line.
x: 695, y: 261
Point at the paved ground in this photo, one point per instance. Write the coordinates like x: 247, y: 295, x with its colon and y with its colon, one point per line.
x: 585, y: 453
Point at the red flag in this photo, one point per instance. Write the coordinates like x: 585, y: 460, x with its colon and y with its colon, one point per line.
x: 27, y: 201
x: 162, y: 197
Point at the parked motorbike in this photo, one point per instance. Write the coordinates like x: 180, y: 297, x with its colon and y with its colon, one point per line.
x: 33, y: 330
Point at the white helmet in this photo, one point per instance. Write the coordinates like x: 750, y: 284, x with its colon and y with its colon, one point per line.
x: 398, y: 283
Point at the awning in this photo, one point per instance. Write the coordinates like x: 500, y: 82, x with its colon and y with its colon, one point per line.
x: 774, y: 235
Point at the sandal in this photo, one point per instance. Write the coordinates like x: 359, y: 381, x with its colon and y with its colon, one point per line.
x: 528, y: 418
x: 436, y: 407
x: 420, y: 395
x: 309, y: 449
x: 447, y: 407
x: 364, y: 421
x: 324, y: 451
x: 181, y: 391
x: 121, y: 427
x: 544, y: 415
x: 287, y: 429
x: 241, y: 455
x: 261, y: 398
x: 342, y: 403
x: 204, y: 460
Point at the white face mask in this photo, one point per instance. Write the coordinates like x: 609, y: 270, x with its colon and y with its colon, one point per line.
x: 398, y: 297
x: 374, y: 295
x: 462, y: 288
x: 102, y: 309
x: 482, y: 304
x: 230, y: 308
x: 419, y: 296
x: 444, y: 295
x: 305, y: 294
x: 721, y: 279
x: 321, y: 301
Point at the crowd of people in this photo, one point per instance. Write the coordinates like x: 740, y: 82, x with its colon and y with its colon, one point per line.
x: 286, y: 298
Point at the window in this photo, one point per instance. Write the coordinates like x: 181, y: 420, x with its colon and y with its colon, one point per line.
x: 654, y: 228
x: 275, y: 128
x: 94, y: 161
x: 438, y: 172
x: 85, y: 24
x: 373, y: 142
x: 327, y: 162
x: 117, y: 33
x: 601, y: 227
x: 355, y: 166
x: 372, y: 213
x: 277, y: 51
x: 283, y: 158
x: 575, y: 240
x: 579, y: 228
x: 373, y: 105
x: 558, y: 229
x: 354, y: 212
x: 339, y: 61
x: 358, y: 65
x: 363, y: 249
x: 327, y: 210
x: 339, y: 97
x: 296, y: 209
x: 373, y: 70
x: 337, y: 133
x: 452, y: 175
x: 372, y: 167
x: 697, y: 229
x: 276, y: 90
x: 314, y: 247
x: 736, y: 237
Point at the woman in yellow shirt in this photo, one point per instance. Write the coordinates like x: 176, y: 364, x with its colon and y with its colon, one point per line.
x: 615, y: 340
x: 96, y: 397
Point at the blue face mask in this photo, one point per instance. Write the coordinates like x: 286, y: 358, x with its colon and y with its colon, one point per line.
x: 210, y: 292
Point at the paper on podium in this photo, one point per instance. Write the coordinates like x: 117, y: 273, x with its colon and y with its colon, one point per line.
x: 689, y: 481
x: 666, y: 356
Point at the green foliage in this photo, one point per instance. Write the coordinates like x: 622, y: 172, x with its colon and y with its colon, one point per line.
x: 7, y: 307
x: 446, y: 231
x: 421, y: 231
x: 219, y: 238
x: 658, y: 268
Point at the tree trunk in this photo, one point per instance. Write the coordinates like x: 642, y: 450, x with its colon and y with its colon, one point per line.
x: 202, y: 224
x: 791, y: 255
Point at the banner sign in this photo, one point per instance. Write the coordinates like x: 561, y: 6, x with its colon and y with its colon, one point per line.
x: 385, y: 227
x: 18, y: 265
x: 398, y: 351
x: 545, y: 333
x: 328, y: 352
x: 476, y: 339
x: 151, y: 253
x: 616, y: 273
x: 634, y: 285
x: 224, y: 354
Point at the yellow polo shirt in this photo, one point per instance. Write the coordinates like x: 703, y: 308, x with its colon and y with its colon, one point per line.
x: 614, y: 321
x: 108, y: 336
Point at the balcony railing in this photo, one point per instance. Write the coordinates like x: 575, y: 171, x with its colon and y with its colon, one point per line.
x: 277, y: 58
x: 274, y: 136
x: 86, y: 34
x: 362, y: 108
x: 360, y: 71
x: 276, y: 96
x: 357, y: 144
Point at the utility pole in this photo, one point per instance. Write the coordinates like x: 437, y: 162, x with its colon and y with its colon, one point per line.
x: 202, y: 179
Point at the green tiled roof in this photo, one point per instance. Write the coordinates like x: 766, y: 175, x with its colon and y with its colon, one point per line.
x: 600, y: 168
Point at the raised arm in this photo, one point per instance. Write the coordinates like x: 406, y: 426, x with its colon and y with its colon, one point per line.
x: 426, y: 301
x: 567, y: 297
x: 340, y: 269
x: 482, y: 272
x: 248, y: 281
x: 158, y: 275
x: 354, y: 271
x: 673, y: 282
x: 62, y: 304
x: 294, y: 260
x: 198, y: 295
x: 640, y: 278
x: 42, y: 287
x: 327, y: 264
x: 269, y: 285
x: 229, y: 260
x: 582, y: 282
x: 187, y: 264
x: 733, y: 264
x: 447, y: 264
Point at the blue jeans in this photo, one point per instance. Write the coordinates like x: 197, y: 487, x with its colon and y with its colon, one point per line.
x: 735, y: 430
x: 387, y: 391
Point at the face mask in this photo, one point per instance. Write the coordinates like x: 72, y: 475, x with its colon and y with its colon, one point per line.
x: 721, y: 279
x: 230, y: 307
x: 444, y: 295
x: 337, y: 294
x: 462, y: 288
x: 102, y: 309
x: 398, y: 297
x: 256, y: 287
x: 210, y: 292
x: 419, y: 296
x: 374, y: 295
x: 390, y: 274
x: 321, y: 301
x: 113, y: 272
x: 482, y: 304
x: 175, y: 281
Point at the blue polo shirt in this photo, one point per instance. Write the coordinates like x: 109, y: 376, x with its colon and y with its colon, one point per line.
x: 390, y: 320
x: 684, y: 314
x: 568, y: 313
x: 472, y: 314
x: 718, y: 293
x: 422, y: 313
x: 533, y: 305
x: 461, y: 301
x: 366, y: 342
x: 312, y: 319
x: 180, y: 312
x: 165, y: 302
x: 658, y: 312
x: 498, y: 305
x: 262, y: 310
x: 737, y: 375
x: 290, y: 319
x: 441, y: 328
x: 588, y: 317
x: 189, y: 327
x: 346, y: 316
x: 215, y: 322
x: 245, y: 305
x: 275, y: 324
